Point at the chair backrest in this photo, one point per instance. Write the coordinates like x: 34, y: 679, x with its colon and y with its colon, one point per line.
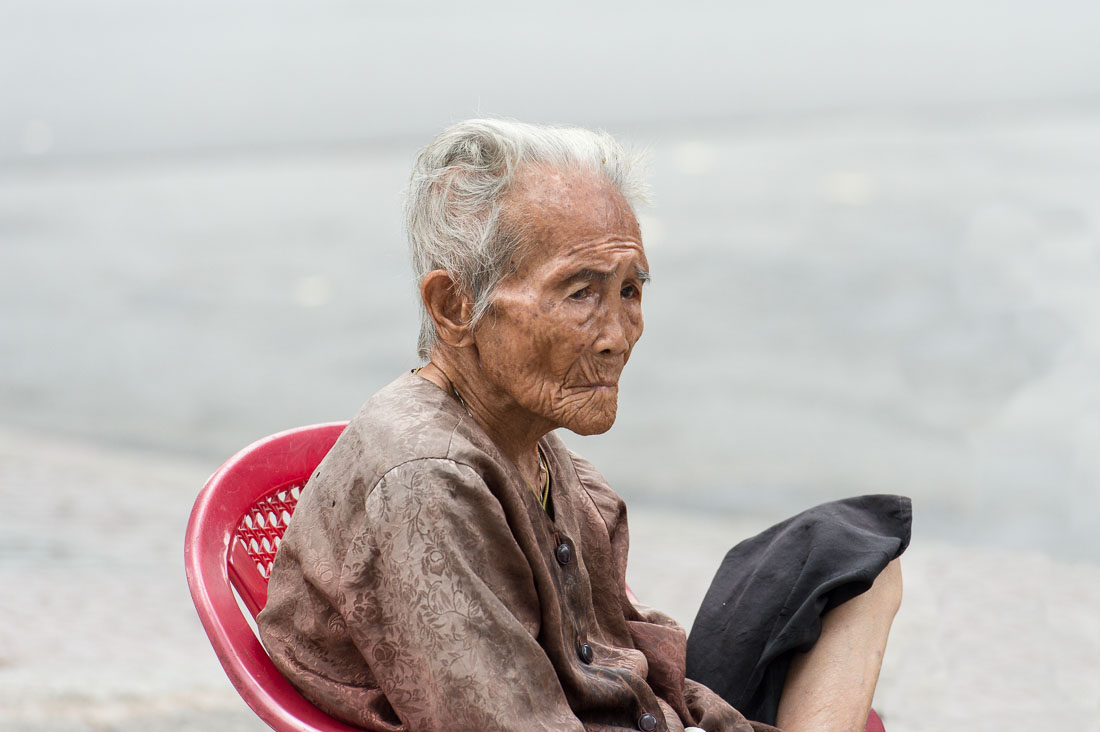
x: 235, y: 527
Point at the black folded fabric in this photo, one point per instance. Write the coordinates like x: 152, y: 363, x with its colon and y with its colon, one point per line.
x: 767, y: 598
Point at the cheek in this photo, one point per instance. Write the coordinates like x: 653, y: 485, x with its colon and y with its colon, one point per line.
x: 518, y: 341
x: 636, y: 324
x: 559, y: 348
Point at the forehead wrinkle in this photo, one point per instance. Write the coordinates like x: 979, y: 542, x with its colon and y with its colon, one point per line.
x: 609, y: 244
x: 603, y: 275
x: 586, y: 264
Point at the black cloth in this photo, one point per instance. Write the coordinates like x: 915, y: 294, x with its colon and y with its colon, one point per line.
x: 767, y: 598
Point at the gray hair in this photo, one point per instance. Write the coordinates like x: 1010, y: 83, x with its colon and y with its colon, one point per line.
x: 454, y: 204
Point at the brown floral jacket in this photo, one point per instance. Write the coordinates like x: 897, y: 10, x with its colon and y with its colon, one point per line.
x: 421, y: 586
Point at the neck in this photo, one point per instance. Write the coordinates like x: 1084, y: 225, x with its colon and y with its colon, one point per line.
x: 511, y: 427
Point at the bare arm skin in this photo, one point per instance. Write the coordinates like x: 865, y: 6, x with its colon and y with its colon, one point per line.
x: 829, y: 688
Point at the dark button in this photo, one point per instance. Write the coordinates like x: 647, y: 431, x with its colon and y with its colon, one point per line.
x: 647, y: 722
x: 585, y: 652
x: 564, y: 554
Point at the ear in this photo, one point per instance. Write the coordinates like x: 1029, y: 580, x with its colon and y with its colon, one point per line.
x: 449, y: 307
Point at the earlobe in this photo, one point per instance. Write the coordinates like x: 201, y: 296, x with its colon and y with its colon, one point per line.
x: 448, y: 306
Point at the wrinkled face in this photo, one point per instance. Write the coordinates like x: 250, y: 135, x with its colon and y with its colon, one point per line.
x: 561, y: 328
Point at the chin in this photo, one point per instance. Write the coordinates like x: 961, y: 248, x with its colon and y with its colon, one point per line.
x: 594, y: 424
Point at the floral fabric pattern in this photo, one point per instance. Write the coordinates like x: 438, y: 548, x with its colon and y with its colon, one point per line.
x: 421, y: 586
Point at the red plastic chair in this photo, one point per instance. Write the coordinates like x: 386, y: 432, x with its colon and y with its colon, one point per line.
x: 234, y: 531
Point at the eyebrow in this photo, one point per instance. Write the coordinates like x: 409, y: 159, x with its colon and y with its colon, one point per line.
x: 595, y: 275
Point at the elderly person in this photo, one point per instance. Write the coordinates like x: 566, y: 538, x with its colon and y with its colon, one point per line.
x: 453, y: 566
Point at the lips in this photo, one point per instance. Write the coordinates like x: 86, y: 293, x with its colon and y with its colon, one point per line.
x: 603, y: 376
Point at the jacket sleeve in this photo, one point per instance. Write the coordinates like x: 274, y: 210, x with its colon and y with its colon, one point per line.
x: 440, y: 600
x: 658, y: 636
x: 663, y: 642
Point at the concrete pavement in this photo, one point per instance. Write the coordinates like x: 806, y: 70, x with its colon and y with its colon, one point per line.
x: 99, y: 634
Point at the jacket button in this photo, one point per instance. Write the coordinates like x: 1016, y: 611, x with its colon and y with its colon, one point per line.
x: 647, y: 722
x: 585, y: 652
x: 564, y: 554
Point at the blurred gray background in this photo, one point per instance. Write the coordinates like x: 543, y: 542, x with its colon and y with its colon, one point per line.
x: 874, y: 239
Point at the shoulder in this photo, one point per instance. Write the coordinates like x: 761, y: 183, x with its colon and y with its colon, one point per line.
x: 409, y: 424
x: 431, y: 483
x: 409, y: 420
x: 436, y: 501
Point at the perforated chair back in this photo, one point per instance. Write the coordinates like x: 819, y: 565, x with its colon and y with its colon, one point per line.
x: 235, y: 528
x: 257, y: 538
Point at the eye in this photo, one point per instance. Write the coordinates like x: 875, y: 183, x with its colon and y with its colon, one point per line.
x: 581, y: 293
x: 629, y: 291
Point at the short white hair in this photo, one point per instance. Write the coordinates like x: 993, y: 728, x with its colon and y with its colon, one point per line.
x: 454, y: 203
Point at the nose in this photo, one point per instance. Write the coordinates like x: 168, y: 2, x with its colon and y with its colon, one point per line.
x: 616, y: 334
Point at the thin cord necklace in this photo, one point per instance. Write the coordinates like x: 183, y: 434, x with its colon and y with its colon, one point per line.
x: 544, y: 480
